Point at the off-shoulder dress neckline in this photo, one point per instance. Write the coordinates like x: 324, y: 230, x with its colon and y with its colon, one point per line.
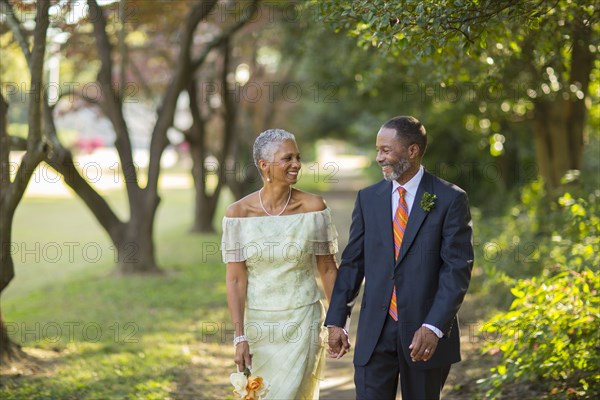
x: 281, y: 216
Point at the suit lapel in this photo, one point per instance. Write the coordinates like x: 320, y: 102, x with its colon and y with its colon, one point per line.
x: 416, y: 217
x: 383, y: 215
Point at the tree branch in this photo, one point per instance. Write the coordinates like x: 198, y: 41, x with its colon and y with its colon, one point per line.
x: 112, y: 100
x: 17, y: 29
x: 225, y: 35
x: 36, y: 148
x: 61, y: 159
x: 166, y: 111
x: 229, y: 117
x: 4, y: 147
x: 17, y: 143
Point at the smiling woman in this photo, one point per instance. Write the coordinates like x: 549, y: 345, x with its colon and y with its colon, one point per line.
x: 270, y: 241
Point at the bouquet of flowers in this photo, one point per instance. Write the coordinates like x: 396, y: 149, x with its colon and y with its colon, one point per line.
x: 248, y: 387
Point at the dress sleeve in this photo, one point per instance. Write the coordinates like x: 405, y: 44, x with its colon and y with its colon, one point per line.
x: 325, y: 236
x: 232, y: 247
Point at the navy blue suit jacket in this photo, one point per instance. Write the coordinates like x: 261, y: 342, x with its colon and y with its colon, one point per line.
x: 431, y: 275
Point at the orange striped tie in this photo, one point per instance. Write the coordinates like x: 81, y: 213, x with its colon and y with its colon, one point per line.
x: 400, y: 220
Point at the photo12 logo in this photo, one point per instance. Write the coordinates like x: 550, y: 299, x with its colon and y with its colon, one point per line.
x: 73, y: 331
x: 55, y: 252
x: 90, y: 91
x: 270, y: 91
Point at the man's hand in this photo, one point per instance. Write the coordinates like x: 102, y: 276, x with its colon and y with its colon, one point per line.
x: 338, y: 342
x: 423, y: 345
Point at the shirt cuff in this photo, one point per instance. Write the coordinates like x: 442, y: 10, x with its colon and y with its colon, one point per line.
x: 335, y: 326
x: 435, y: 330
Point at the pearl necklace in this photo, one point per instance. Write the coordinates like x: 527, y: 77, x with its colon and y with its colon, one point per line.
x: 284, y: 207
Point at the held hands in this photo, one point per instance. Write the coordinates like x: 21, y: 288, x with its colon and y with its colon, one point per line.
x: 243, y: 358
x: 423, y: 345
x: 338, y: 342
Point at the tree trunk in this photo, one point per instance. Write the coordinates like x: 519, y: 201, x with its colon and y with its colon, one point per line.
x: 582, y: 61
x: 9, y: 350
x: 132, y: 240
x: 204, y: 209
x: 204, y: 213
x: 11, y: 192
x: 134, y: 244
x: 558, y: 137
x: 559, y: 121
x: 248, y: 179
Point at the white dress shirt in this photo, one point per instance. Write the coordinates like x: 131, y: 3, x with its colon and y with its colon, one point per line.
x: 411, y: 191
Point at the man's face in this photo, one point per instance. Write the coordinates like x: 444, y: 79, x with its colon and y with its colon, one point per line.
x: 392, y: 155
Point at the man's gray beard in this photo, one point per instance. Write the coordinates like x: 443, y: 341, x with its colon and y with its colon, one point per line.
x: 398, y: 170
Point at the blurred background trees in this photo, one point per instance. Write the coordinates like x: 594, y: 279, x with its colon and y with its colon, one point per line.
x: 533, y: 68
x: 535, y: 58
x: 150, y: 93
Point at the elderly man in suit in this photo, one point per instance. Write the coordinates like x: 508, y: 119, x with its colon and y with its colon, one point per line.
x: 411, y: 241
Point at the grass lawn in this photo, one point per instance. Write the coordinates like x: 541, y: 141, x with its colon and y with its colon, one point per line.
x: 99, y: 336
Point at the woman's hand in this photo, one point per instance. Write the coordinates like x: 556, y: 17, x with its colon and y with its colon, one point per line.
x: 243, y: 358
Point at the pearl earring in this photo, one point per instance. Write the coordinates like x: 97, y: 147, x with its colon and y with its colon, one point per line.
x: 268, y: 179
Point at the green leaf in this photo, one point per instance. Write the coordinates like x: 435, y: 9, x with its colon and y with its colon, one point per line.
x: 517, y: 292
x: 501, y: 369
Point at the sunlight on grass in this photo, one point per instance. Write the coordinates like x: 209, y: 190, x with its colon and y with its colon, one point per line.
x: 116, y: 337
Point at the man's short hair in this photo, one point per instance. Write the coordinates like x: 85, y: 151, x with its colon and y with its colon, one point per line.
x: 409, y: 130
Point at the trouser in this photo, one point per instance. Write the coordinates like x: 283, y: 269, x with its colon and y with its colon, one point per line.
x: 378, y: 379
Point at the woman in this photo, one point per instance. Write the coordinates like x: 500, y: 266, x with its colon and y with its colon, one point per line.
x: 270, y: 240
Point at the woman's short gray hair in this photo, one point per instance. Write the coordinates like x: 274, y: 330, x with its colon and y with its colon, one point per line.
x: 267, y: 142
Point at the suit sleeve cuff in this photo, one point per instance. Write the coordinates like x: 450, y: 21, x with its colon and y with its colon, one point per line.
x: 435, y: 330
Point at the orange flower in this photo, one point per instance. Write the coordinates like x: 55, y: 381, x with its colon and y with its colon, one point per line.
x: 249, y: 387
x: 255, y: 383
x: 251, y: 395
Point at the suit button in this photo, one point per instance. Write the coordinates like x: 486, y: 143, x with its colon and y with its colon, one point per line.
x: 392, y: 276
x: 384, y: 307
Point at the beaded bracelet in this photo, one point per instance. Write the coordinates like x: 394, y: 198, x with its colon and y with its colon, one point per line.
x: 239, y: 339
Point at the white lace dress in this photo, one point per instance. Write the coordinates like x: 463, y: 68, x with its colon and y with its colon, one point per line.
x: 284, y: 314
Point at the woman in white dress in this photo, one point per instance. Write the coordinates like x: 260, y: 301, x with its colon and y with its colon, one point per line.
x: 272, y: 239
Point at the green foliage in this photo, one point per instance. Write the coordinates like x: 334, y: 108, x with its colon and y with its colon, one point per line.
x: 454, y: 27
x: 369, y: 87
x: 521, y: 56
x: 550, y: 336
x: 577, y: 245
x: 508, y: 247
x: 521, y: 52
x: 540, y: 237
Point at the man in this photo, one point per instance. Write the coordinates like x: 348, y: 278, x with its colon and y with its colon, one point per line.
x: 411, y: 242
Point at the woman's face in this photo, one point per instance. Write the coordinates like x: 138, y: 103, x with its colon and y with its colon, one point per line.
x: 286, y: 165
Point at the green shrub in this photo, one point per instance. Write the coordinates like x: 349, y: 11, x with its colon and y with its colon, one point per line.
x: 577, y: 243
x: 549, y: 336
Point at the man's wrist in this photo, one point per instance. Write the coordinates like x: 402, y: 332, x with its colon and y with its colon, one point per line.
x: 435, y: 330
x: 335, y: 326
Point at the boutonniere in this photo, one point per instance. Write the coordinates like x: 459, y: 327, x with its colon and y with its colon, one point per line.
x: 428, y: 201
